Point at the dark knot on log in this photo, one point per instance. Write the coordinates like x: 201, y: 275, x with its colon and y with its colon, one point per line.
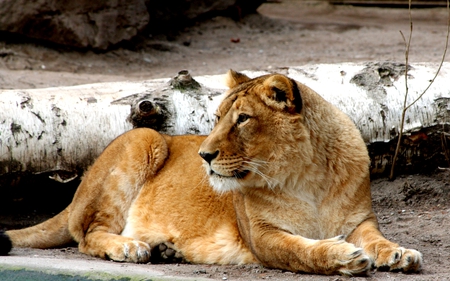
x: 148, y: 114
x: 146, y: 108
x: 184, y: 82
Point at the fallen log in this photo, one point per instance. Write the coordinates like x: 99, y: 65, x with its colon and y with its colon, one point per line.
x: 62, y: 130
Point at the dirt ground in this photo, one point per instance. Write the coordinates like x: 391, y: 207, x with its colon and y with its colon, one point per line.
x: 413, y: 210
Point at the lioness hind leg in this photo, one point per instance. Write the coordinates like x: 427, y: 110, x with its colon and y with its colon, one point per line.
x: 115, y: 247
x: 386, y: 254
x: 102, y: 202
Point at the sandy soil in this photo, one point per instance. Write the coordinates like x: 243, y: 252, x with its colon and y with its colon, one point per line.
x: 413, y: 210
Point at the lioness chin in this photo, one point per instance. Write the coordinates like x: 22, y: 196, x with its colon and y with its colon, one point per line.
x: 282, y: 180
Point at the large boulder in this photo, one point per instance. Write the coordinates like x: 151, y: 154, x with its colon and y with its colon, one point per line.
x: 173, y: 14
x: 82, y: 23
x: 103, y: 23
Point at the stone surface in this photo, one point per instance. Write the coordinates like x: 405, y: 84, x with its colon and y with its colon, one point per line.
x: 101, y: 24
x: 173, y: 14
x: 96, y: 24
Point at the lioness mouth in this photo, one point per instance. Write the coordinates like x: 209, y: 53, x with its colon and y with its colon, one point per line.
x: 236, y: 174
x: 240, y: 174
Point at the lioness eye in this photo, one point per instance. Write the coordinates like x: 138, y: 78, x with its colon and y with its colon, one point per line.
x: 242, y: 118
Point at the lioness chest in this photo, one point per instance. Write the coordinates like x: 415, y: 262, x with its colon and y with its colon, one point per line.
x: 178, y: 206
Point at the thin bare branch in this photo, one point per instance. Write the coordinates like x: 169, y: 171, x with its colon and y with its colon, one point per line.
x: 440, y: 65
x: 405, y: 106
x: 402, y: 122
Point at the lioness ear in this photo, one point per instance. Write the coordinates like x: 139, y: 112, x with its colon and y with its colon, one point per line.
x: 284, y: 92
x: 234, y: 78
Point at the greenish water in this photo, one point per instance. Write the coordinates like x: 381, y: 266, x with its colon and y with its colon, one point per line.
x: 31, y: 275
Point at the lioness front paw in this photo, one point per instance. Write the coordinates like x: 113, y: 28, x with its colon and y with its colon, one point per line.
x: 346, y: 258
x: 399, y: 259
x: 166, y: 253
x: 132, y: 251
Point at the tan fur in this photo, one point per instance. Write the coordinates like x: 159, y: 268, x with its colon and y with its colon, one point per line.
x: 286, y: 184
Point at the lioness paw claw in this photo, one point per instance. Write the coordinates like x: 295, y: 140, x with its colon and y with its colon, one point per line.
x: 399, y: 259
x: 357, y: 263
x: 132, y: 251
x: 349, y: 259
x: 337, y: 239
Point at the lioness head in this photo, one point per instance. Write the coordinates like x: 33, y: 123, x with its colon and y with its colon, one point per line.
x: 259, y: 133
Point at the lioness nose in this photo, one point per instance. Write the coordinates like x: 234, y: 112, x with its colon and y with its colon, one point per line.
x: 208, y: 156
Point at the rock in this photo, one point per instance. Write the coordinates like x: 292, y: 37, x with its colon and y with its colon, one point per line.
x: 84, y: 24
x: 101, y: 24
x: 172, y: 14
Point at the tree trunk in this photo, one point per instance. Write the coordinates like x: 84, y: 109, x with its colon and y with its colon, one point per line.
x: 64, y: 129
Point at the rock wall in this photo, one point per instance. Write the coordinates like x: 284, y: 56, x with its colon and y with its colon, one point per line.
x: 83, y: 23
x: 103, y: 23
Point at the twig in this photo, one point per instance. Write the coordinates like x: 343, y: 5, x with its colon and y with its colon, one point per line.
x: 406, y: 107
x: 402, y: 122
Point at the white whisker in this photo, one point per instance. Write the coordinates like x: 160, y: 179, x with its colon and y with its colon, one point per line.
x: 254, y: 165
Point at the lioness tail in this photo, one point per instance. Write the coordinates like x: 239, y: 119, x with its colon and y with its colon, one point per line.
x: 48, y: 234
x: 5, y: 244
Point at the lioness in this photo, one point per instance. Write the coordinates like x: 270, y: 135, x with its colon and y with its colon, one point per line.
x: 283, y: 180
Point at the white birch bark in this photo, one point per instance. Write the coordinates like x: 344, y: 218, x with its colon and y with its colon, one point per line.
x: 66, y: 128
